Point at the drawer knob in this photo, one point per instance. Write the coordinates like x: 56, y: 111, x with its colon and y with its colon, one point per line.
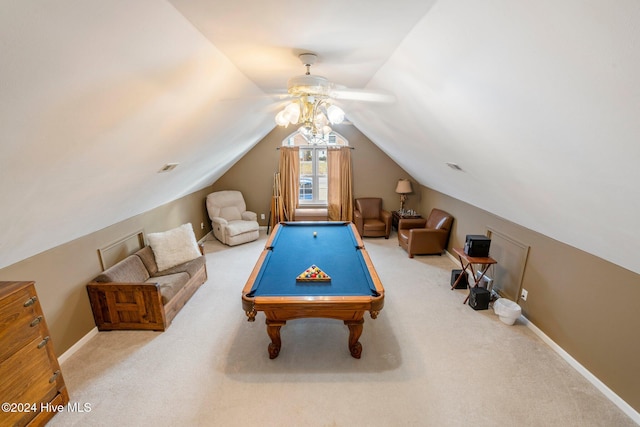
x: 35, y: 321
x: 43, y: 342
x: 54, y: 377
x: 30, y: 301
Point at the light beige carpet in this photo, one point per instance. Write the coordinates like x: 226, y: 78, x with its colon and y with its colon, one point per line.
x: 428, y: 360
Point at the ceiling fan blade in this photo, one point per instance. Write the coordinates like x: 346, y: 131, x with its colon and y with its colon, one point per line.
x: 362, y: 95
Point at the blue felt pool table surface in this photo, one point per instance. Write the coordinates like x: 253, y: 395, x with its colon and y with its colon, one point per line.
x: 293, y: 248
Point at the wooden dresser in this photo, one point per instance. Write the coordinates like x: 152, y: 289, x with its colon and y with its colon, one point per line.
x: 31, y: 383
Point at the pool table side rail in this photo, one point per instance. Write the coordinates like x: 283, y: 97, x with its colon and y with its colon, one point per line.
x: 346, y: 303
x: 273, y: 236
x: 246, y: 300
x: 359, y: 242
x: 311, y: 306
x: 372, y: 271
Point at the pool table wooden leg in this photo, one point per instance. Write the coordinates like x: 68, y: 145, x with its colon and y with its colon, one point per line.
x: 355, y: 330
x: 273, y: 329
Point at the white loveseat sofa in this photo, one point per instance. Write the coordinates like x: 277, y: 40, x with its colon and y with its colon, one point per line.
x: 232, y: 223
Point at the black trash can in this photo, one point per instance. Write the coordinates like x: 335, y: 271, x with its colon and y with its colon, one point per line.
x: 463, y: 283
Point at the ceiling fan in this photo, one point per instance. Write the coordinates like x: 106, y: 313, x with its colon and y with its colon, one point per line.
x: 314, y: 99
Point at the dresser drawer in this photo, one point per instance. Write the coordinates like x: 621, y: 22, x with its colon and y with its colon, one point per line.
x: 27, y: 379
x: 19, y: 321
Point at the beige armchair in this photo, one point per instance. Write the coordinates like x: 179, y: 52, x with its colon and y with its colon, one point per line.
x: 370, y: 219
x: 232, y: 223
x: 425, y: 236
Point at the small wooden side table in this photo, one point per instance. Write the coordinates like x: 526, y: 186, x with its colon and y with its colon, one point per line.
x: 467, y: 262
x: 396, y: 216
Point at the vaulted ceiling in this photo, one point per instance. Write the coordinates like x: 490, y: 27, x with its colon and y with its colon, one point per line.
x: 537, y: 101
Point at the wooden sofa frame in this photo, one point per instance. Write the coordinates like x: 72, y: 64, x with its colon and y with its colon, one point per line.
x: 119, y: 305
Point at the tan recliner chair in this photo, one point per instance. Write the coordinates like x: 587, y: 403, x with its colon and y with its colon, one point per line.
x: 370, y: 219
x: 232, y: 223
x: 425, y: 236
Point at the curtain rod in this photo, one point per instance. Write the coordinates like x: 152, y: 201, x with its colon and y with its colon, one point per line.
x: 327, y: 146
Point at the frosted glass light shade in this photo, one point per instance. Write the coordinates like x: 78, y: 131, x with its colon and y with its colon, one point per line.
x: 335, y: 114
x: 281, y: 120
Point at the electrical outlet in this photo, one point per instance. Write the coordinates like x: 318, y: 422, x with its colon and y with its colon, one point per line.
x: 202, y: 226
x: 261, y: 216
x: 524, y: 294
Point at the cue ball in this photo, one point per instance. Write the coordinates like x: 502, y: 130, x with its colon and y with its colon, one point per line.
x: 315, y: 234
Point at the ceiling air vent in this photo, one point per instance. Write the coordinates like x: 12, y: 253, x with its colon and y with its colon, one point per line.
x: 168, y: 167
x: 455, y: 166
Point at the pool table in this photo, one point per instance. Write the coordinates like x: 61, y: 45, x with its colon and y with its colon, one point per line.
x: 334, y: 247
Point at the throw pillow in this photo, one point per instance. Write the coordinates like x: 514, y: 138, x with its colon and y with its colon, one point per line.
x: 174, y: 247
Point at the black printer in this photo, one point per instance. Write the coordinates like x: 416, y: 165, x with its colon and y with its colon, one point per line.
x: 477, y: 245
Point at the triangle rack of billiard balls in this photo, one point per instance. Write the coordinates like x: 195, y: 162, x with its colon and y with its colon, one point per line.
x: 313, y: 274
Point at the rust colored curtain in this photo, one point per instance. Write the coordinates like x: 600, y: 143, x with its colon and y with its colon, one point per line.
x: 340, y: 192
x: 289, y: 169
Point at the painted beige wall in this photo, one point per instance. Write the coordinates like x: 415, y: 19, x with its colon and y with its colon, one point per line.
x: 61, y: 273
x: 374, y: 173
x: 586, y: 305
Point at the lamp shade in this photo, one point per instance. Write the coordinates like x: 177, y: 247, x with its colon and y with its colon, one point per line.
x: 404, y: 186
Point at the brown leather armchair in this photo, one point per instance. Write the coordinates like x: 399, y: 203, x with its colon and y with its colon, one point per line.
x: 425, y: 236
x: 370, y: 219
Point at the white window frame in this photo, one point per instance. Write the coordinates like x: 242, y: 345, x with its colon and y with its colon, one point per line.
x: 334, y: 139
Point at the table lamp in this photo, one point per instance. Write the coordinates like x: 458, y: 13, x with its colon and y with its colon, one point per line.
x: 403, y: 188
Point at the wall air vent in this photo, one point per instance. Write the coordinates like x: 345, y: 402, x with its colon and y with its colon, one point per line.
x: 168, y: 167
x: 454, y: 166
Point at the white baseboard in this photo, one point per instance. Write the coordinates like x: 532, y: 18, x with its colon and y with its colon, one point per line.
x: 452, y: 258
x: 617, y: 400
x: 67, y: 354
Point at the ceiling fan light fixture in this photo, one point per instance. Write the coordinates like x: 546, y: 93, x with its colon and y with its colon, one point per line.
x: 292, y: 112
x: 335, y: 114
x: 320, y: 120
x: 312, y: 106
x: 289, y: 115
x: 281, y: 120
x: 308, y: 85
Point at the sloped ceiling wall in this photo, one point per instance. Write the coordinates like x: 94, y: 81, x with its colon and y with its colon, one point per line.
x: 95, y: 97
x: 538, y: 102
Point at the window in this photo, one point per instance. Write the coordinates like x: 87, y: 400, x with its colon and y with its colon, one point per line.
x: 313, y: 167
x: 313, y: 176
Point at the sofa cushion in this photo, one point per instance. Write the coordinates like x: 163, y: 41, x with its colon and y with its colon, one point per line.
x: 374, y: 225
x: 238, y: 239
x: 174, y: 246
x: 190, y: 267
x: 170, y: 285
x: 130, y: 269
x: 149, y: 261
x: 238, y: 227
